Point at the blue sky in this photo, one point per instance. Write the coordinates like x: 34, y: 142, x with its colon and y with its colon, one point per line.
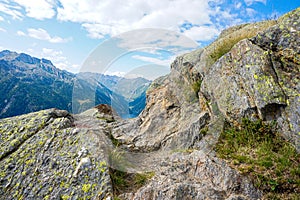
x: 68, y: 32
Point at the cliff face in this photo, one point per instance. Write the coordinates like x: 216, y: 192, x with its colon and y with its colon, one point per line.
x: 251, y: 71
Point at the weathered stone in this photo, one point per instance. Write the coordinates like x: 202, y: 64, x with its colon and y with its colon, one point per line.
x: 260, y: 77
x: 195, y: 176
x: 46, y: 160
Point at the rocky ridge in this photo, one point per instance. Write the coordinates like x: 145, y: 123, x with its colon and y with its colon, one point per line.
x: 54, y: 155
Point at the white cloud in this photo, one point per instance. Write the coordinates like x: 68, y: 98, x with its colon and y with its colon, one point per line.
x: 150, y: 71
x: 94, y: 30
x: 251, y: 12
x: 238, y: 5
x: 42, y: 34
x: 53, y: 55
x: 202, y: 33
x: 150, y: 40
x: 13, y: 11
x: 250, y: 2
x: 3, y: 30
x: 59, y: 60
x: 73, y: 68
x: 21, y: 33
x: 132, y: 76
x: 41, y: 9
x: 1, y: 19
x: 164, y: 62
x: 112, y: 17
x: 115, y: 73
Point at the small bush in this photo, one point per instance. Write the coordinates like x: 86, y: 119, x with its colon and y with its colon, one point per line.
x: 257, y: 150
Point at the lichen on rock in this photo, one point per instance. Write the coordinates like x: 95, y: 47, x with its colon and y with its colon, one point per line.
x: 45, y: 158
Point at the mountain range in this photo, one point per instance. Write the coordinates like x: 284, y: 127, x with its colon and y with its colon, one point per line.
x: 30, y: 84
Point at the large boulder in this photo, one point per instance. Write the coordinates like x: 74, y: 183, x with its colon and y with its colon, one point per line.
x: 51, y: 155
x: 260, y: 78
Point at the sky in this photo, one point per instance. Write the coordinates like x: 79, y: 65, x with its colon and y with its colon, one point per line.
x: 120, y: 37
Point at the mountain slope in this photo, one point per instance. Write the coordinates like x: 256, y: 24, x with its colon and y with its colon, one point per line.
x: 130, y: 88
x: 131, y: 91
x: 30, y: 84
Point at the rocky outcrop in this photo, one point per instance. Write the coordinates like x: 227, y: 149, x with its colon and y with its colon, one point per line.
x: 195, y: 176
x: 253, y: 79
x: 259, y: 78
x: 54, y: 155
x: 172, y: 118
x: 51, y: 155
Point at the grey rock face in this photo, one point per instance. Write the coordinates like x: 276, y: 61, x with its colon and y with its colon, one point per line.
x: 166, y: 107
x: 195, y: 176
x: 259, y: 78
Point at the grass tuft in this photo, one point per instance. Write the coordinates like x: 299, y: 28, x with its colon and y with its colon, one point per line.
x: 124, y: 182
x: 233, y: 35
x: 196, y: 86
x: 257, y: 150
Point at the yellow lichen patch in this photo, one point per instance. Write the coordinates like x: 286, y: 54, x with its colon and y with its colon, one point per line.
x: 65, y: 197
x: 86, y: 188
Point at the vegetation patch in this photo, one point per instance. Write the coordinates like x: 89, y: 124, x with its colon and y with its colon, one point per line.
x: 196, y: 86
x: 258, y: 151
x: 124, y: 182
x: 224, y: 44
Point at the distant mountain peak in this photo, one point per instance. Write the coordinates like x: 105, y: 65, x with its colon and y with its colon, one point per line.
x: 4, y: 53
x: 23, y: 57
x: 27, y: 59
x: 46, y: 61
x: 26, y: 62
